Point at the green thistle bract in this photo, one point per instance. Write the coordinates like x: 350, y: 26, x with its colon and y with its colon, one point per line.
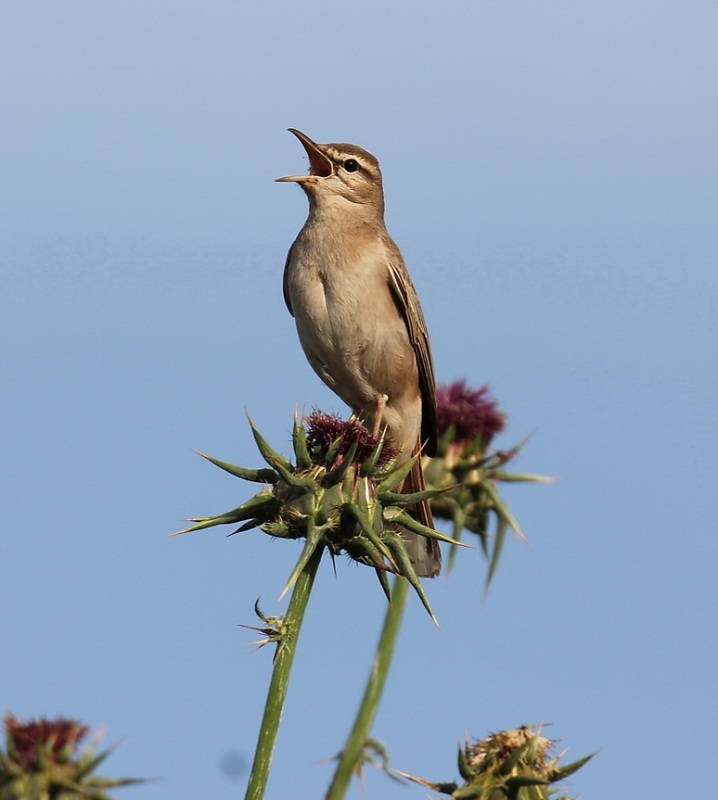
x: 343, y: 493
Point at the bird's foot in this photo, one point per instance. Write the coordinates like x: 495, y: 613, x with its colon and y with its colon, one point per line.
x: 381, y: 401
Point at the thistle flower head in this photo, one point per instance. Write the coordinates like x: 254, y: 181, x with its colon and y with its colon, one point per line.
x: 59, y: 738
x: 516, y: 764
x: 43, y: 759
x: 469, y: 472
x: 329, y: 434
x: 470, y: 413
x: 484, y: 754
x: 342, y: 492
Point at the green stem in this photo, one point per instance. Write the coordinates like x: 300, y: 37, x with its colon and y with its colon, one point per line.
x: 280, y: 679
x: 353, y: 749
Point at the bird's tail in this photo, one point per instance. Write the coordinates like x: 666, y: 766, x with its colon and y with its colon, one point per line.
x: 424, y: 552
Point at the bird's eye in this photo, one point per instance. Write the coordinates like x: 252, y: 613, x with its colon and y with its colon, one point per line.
x: 351, y: 165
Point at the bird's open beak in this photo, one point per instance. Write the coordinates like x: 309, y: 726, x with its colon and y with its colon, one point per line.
x: 319, y: 165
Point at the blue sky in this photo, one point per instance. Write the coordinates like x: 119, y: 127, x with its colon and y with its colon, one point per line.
x: 550, y: 174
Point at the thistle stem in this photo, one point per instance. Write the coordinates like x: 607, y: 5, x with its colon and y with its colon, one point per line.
x: 280, y: 679
x: 352, y: 752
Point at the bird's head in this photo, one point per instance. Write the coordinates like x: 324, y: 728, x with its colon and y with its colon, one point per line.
x: 339, y: 171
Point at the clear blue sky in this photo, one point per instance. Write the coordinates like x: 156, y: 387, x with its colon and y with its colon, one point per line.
x: 550, y: 173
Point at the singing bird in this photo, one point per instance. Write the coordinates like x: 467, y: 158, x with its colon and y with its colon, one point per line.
x: 358, y: 315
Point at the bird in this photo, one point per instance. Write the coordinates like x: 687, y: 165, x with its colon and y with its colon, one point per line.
x: 358, y: 315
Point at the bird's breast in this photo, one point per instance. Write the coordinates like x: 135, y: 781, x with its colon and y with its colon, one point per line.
x: 348, y: 323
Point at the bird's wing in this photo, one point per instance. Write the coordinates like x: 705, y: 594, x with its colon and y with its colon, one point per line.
x: 285, y: 281
x: 407, y: 301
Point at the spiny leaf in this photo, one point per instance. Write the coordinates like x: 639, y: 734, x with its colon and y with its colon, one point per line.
x: 458, y: 519
x: 506, y: 455
x: 337, y: 474
x: 400, y: 517
x: 263, y: 505
x: 465, y: 770
x: 253, y: 523
x: 568, y: 769
x: 532, y: 753
x: 255, y: 475
x: 369, y: 465
x: 501, y: 526
x: 401, y: 556
x: 271, y: 456
x: 520, y: 477
x: 526, y: 780
x: 514, y: 757
x: 299, y: 439
x: 409, y: 499
x: 384, y: 582
x: 361, y: 549
x: 332, y: 450
x: 444, y: 788
x: 365, y: 524
x: 295, y: 481
x: 396, y: 475
x: 89, y: 762
x: 502, y: 510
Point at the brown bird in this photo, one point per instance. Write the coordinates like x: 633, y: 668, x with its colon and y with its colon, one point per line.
x: 358, y: 315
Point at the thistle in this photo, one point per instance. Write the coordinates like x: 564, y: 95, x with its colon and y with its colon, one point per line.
x: 341, y: 492
x: 516, y: 765
x: 41, y: 762
x: 466, y: 472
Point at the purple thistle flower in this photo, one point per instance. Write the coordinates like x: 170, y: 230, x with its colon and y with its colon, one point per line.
x: 324, y: 429
x: 57, y: 734
x: 471, y: 412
